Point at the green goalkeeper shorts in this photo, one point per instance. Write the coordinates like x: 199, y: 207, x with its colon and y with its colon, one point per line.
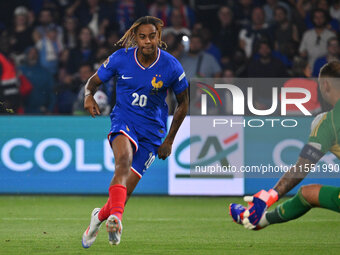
x: 329, y: 197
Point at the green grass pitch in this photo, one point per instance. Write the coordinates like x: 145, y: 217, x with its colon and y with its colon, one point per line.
x: 157, y: 225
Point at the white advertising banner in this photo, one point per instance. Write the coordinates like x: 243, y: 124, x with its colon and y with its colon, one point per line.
x: 200, y: 155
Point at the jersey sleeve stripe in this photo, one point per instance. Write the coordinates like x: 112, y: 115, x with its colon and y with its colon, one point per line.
x: 334, y: 129
x: 316, y: 129
x: 181, y: 76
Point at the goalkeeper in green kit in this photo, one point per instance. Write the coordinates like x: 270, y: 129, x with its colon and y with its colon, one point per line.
x: 324, y: 137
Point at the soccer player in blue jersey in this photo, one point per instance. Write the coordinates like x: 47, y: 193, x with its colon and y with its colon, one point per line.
x: 138, y: 121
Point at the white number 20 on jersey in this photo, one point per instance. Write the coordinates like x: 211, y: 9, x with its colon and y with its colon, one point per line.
x: 139, y: 100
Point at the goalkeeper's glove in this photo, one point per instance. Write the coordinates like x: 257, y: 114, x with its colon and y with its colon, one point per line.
x: 258, y: 205
x: 243, y: 215
x: 236, y: 212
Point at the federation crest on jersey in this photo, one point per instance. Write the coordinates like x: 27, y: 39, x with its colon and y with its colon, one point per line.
x: 156, y: 84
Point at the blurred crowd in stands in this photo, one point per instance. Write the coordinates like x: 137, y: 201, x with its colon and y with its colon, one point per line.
x: 49, y: 48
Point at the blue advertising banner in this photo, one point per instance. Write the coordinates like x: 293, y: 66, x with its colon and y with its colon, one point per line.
x: 63, y: 155
x: 71, y: 155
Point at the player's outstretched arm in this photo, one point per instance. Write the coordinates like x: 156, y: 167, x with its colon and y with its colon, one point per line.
x: 181, y: 111
x: 294, y: 176
x: 91, y: 87
x: 258, y: 204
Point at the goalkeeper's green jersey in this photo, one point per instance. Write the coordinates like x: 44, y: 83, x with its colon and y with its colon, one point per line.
x: 325, y: 133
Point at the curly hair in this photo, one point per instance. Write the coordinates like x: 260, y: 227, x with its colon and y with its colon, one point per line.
x: 129, y: 38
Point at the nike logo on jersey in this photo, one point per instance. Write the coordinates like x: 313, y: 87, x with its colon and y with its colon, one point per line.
x: 126, y: 78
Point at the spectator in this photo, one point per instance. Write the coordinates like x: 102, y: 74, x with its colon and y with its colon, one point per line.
x: 101, y: 55
x: 101, y: 99
x: 46, y: 20
x: 257, y: 30
x: 228, y: 76
x: 228, y: 73
x: 301, y: 72
x: 331, y: 23
x: 269, y: 9
x: 301, y: 68
x: 206, y: 12
x: 187, y: 14
x: 70, y: 9
x: 175, y: 45
x: 226, y: 33
x: 266, y: 65
x: 70, y: 32
x: 9, y: 85
x: 284, y: 31
x: 197, y: 63
x: 49, y: 49
x: 94, y: 15
x: 41, y: 100
x: 334, y: 10
x: 161, y: 9
x: 243, y: 12
x: 84, y: 52
x: 287, y: 56
x: 304, y: 7
x: 112, y: 37
x: 239, y: 63
x: 198, y: 26
x: 296, y: 17
x: 56, y: 7
x: 70, y: 86
x: 332, y: 55
x: 20, y: 34
x: 208, y: 45
x: 177, y: 25
x: 314, y: 41
x: 127, y: 11
x: 63, y: 62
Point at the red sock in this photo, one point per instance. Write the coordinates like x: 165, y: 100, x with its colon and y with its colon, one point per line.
x: 104, y: 213
x: 117, y: 198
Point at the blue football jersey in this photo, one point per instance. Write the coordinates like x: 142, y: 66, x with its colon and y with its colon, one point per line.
x: 141, y: 92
